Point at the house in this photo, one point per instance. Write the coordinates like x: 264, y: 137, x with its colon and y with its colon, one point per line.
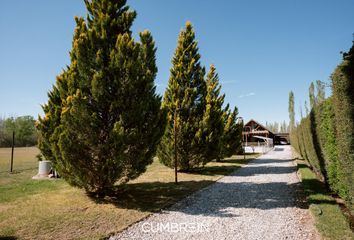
x: 255, y: 133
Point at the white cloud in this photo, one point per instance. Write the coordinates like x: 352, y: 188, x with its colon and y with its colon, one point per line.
x: 247, y: 95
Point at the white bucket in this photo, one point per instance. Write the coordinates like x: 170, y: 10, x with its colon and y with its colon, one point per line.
x: 44, y: 168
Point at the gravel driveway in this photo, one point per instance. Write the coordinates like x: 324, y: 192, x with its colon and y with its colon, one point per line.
x: 259, y: 201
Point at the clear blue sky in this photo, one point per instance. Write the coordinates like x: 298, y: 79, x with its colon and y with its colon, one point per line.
x: 262, y: 49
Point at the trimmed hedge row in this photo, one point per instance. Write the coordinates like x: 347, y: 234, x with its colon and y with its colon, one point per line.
x: 315, y: 140
x: 343, y: 104
x: 325, y: 138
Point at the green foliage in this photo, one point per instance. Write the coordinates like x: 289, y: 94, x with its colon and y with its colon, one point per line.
x: 307, y: 111
x: 300, y: 111
x: 213, y: 122
x: 309, y: 143
x: 312, y: 96
x: 321, y: 94
x: 232, y: 137
x: 103, y: 120
x: 291, y: 110
x: 326, y: 137
x: 343, y: 103
x: 325, y: 119
x: 315, y: 140
x: 185, y: 98
x: 25, y: 132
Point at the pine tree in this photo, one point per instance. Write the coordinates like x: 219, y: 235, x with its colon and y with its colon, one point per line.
x: 232, y: 137
x: 291, y: 110
x: 185, y: 99
x: 103, y: 121
x: 213, y: 116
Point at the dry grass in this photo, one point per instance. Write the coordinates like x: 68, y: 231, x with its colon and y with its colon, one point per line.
x: 32, y: 209
x: 24, y: 158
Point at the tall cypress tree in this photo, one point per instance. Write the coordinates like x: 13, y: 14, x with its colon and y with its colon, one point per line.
x: 103, y: 120
x: 213, y: 116
x: 312, y: 96
x: 306, y: 108
x: 321, y: 94
x: 184, y: 98
x: 291, y: 110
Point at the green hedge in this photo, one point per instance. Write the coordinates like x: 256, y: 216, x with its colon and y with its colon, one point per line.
x: 325, y: 138
x: 315, y: 140
x: 343, y: 104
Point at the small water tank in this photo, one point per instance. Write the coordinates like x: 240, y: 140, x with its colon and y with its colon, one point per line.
x: 44, y: 168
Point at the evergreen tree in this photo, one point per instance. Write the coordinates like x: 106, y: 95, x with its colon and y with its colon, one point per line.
x: 232, y: 137
x: 321, y: 94
x: 291, y: 110
x: 103, y: 121
x: 300, y: 110
x: 185, y: 99
x: 213, y: 116
x: 312, y: 96
x: 306, y: 108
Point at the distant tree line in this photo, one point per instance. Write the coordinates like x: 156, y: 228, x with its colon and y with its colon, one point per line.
x: 104, y: 122
x: 276, y: 127
x: 24, y: 128
x: 325, y: 136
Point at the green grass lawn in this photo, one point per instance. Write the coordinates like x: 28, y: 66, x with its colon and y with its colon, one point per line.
x: 41, y: 209
x: 329, y: 219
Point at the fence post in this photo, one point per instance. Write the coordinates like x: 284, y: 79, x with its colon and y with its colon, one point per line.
x: 12, y: 151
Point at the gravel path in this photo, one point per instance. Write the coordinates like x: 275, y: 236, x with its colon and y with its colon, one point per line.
x: 259, y: 201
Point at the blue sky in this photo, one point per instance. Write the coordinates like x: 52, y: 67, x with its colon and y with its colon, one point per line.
x: 261, y: 49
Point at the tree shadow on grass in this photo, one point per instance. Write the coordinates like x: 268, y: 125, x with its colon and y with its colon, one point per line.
x: 315, y: 188
x: 8, y: 238
x: 256, y: 170
x: 215, y: 170
x: 151, y: 196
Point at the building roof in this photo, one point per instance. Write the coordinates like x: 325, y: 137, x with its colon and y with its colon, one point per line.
x: 263, y: 130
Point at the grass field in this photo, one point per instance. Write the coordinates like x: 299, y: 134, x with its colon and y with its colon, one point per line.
x: 32, y: 209
x: 329, y: 219
x: 24, y: 159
